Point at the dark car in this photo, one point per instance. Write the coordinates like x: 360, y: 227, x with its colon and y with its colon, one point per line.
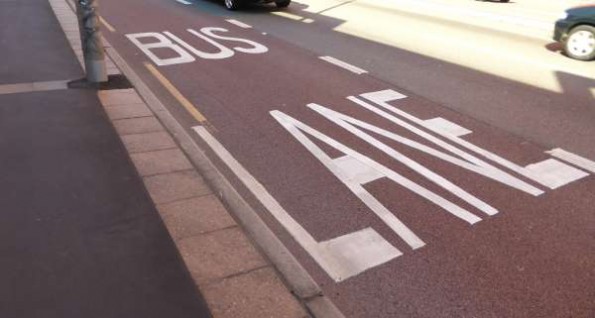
x: 236, y: 4
x: 576, y: 32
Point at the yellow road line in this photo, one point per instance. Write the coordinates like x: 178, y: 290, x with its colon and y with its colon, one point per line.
x: 107, y: 25
x: 176, y: 94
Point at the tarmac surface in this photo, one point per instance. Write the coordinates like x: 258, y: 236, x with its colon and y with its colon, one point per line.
x: 520, y: 251
x: 396, y: 205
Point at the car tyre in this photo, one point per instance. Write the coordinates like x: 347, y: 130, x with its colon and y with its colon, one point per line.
x: 283, y: 4
x: 580, y: 44
x: 232, y: 5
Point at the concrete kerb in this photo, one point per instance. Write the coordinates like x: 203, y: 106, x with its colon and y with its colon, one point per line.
x: 296, y: 278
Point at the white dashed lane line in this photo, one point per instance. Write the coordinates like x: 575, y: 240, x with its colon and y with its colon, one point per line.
x: 344, y: 65
x: 239, y: 23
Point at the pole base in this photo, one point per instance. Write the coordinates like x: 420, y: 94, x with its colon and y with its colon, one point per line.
x: 83, y: 84
x: 113, y: 82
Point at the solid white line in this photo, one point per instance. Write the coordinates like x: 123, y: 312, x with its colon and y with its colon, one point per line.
x: 256, y: 188
x: 344, y: 65
x: 576, y: 160
x: 184, y: 2
x: 239, y: 23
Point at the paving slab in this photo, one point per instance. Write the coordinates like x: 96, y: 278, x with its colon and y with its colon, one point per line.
x: 127, y: 111
x: 195, y: 216
x: 229, y: 296
x: 119, y: 96
x: 219, y: 254
x: 161, y: 161
x: 133, y: 126
x: 170, y: 187
x: 150, y: 141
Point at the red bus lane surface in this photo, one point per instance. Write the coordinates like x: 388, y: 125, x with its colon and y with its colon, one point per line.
x: 397, y: 206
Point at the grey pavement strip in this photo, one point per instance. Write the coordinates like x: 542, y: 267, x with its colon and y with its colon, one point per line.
x: 33, y: 87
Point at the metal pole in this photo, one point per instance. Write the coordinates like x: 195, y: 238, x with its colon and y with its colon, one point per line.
x: 92, y: 44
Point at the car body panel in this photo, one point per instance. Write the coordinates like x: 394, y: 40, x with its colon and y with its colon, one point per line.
x: 584, y: 15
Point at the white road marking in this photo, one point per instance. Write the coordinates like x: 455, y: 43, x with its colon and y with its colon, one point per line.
x: 184, y: 2
x: 356, y: 171
x: 341, y: 257
x: 447, y: 126
x: 470, y: 162
x: 556, y: 173
x: 349, y: 124
x: 548, y: 178
x: 571, y: 158
x: 211, y: 35
x: 297, y: 129
x: 239, y: 23
x: 163, y: 43
x: 223, y: 51
x: 344, y: 65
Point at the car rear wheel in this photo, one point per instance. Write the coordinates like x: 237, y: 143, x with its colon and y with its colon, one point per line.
x: 232, y: 4
x: 580, y: 44
x: 283, y: 4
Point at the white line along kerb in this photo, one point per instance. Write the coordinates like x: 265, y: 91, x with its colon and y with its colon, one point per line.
x: 341, y: 257
x: 344, y: 65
